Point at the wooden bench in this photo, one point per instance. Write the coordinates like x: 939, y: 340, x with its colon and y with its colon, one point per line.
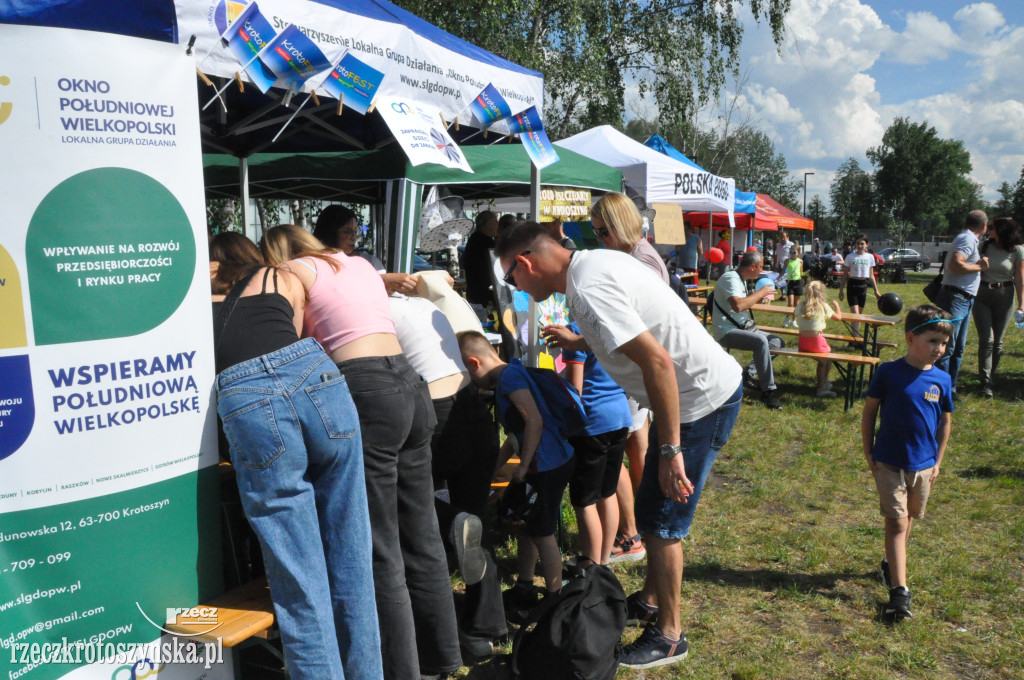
x: 242, y: 615
x: 850, y: 366
x: 854, y: 339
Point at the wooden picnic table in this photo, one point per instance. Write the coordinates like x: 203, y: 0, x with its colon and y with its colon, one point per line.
x: 869, y: 348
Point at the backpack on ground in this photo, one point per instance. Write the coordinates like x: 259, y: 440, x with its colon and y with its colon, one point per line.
x: 573, y: 635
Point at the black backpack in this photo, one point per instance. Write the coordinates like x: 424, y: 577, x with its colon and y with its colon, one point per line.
x: 573, y: 635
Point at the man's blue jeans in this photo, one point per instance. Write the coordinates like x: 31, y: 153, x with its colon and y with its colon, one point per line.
x: 657, y: 514
x: 959, y: 306
x: 297, y: 453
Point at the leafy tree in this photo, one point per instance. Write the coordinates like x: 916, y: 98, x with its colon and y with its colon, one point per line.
x: 852, y: 197
x: 678, y: 51
x: 223, y: 214
x: 920, y: 177
x: 816, y: 211
x: 1018, y: 198
x: 1004, y: 206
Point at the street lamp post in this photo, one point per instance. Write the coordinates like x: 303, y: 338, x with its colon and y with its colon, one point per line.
x: 814, y: 224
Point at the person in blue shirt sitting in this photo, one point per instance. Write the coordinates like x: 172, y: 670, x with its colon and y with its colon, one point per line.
x: 546, y: 457
x: 916, y: 404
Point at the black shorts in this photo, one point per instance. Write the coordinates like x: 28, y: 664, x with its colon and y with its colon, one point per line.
x: 857, y: 292
x: 794, y: 287
x: 550, y: 485
x: 598, y: 462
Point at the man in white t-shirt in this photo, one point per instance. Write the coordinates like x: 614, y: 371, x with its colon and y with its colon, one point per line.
x: 650, y: 343
x: 781, y: 252
x: 961, y: 278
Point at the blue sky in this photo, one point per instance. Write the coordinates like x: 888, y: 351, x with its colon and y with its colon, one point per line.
x: 849, y: 67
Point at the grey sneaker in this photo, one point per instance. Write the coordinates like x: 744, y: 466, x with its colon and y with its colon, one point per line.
x: 653, y: 649
x: 883, y: 573
x: 899, y: 604
x: 467, y: 531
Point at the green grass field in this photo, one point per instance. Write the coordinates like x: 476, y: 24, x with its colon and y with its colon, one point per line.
x: 781, y: 565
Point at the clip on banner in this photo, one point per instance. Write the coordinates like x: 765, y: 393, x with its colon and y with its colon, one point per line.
x: 353, y: 81
x: 488, y: 107
x: 417, y: 131
x: 245, y: 38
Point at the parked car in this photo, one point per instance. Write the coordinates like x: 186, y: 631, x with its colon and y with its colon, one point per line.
x: 910, y: 259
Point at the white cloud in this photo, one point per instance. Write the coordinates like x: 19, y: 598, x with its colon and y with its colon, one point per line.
x: 977, y: 21
x: 925, y: 39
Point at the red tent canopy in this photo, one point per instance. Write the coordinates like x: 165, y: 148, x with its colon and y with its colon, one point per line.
x: 768, y: 216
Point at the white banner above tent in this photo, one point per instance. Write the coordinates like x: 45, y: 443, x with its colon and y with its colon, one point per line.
x: 443, y: 71
x: 418, y: 130
x: 655, y: 176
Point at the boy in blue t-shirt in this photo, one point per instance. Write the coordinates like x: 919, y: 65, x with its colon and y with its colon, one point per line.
x: 905, y: 454
x: 598, y: 452
x: 546, y: 457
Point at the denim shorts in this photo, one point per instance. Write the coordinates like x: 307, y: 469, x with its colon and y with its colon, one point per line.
x: 657, y: 514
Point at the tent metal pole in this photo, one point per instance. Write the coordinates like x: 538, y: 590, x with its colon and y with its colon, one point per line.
x: 533, y: 350
x: 243, y: 187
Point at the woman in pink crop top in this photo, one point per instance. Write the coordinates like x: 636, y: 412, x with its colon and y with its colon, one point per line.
x: 347, y: 311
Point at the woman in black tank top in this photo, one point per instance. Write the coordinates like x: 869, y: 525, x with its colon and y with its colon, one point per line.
x: 296, y: 449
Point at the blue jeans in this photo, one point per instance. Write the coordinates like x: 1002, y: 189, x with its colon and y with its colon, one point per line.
x: 959, y: 306
x: 657, y: 514
x: 410, y: 572
x: 296, y: 449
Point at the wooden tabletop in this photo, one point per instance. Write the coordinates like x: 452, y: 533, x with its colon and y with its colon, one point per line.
x: 870, y: 319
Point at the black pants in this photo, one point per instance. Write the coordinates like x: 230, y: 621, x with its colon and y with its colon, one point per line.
x: 414, y: 595
x: 465, y: 454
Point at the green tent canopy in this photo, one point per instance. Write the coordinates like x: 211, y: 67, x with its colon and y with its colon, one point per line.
x: 499, y: 171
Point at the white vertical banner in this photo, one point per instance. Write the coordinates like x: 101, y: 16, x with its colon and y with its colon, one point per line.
x: 108, y: 490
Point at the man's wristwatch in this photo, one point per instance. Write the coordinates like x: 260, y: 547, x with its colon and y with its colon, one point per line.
x: 669, y: 451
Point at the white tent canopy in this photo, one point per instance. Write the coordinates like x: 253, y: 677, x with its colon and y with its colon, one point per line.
x: 653, y: 175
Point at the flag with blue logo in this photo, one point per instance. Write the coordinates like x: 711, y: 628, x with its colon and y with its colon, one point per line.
x: 535, y: 141
x: 489, y: 106
x: 247, y: 35
x: 293, y: 57
x: 354, y: 82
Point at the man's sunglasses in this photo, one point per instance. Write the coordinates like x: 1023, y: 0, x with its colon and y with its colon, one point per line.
x: 509, y: 281
x: 602, y: 232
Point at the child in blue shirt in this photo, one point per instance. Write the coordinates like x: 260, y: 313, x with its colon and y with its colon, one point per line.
x: 915, y: 399
x: 598, y: 453
x: 546, y: 457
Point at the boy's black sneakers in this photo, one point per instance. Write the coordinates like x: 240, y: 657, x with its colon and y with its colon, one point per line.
x: 770, y: 398
x: 883, y: 573
x: 519, y: 600
x: 899, y: 604
x: 638, y: 612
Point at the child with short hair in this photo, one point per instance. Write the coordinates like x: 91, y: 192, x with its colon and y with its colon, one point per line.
x: 794, y: 281
x: 546, y: 457
x: 811, y: 315
x: 915, y: 399
x: 597, y: 452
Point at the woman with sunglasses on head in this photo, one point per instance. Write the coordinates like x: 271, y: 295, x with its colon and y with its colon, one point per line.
x: 294, y: 441
x: 347, y: 311
x: 618, y: 226
x: 993, y: 306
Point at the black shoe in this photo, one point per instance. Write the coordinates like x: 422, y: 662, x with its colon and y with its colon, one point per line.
x: 956, y: 396
x: 749, y: 383
x: 466, y: 532
x: 883, y: 573
x: 770, y: 399
x: 475, y: 648
x: 519, y: 600
x: 638, y: 612
x: 653, y: 649
x: 899, y: 604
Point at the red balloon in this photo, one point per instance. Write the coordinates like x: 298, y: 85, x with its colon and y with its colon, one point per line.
x: 715, y: 255
x: 751, y: 248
